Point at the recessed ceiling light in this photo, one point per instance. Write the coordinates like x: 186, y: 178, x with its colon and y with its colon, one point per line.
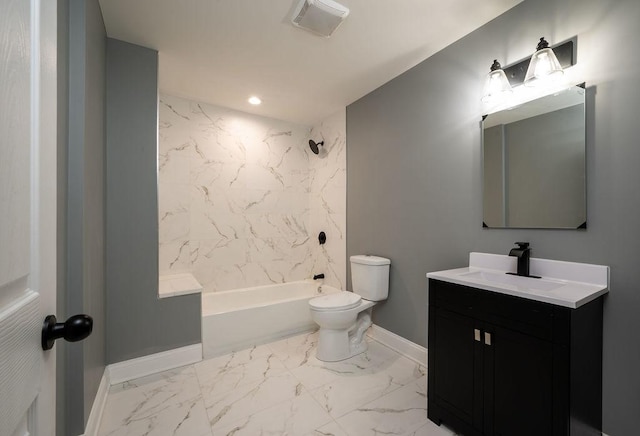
x: 254, y: 100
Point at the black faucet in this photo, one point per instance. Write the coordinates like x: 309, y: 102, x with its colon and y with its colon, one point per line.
x: 318, y: 276
x: 523, y: 253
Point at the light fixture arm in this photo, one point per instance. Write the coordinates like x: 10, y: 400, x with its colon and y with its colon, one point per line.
x: 543, y: 43
x: 496, y: 65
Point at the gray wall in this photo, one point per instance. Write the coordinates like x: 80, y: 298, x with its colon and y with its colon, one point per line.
x: 414, y: 185
x: 138, y: 322
x: 84, y: 362
x: 85, y: 292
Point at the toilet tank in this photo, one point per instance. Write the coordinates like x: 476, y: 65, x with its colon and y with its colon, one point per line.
x: 370, y: 277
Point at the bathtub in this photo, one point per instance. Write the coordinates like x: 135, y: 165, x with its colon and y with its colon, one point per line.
x: 241, y: 318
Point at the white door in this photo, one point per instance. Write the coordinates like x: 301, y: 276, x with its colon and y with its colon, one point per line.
x: 27, y: 214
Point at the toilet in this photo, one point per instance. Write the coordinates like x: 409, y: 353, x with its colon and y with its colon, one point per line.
x: 344, y: 317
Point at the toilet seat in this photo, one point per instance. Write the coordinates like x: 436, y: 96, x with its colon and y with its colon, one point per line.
x: 340, y: 301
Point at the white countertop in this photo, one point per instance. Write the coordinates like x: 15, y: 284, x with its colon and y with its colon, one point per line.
x: 174, y: 285
x: 566, y: 284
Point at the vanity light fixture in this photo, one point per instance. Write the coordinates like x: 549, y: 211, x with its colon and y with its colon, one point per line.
x: 544, y: 65
x: 497, y: 85
x: 254, y: 100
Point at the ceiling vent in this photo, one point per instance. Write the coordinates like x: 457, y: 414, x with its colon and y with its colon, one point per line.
x: 321, y: 17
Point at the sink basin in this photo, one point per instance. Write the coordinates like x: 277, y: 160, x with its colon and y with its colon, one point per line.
x: 567, y: 284
x: 519, y: 281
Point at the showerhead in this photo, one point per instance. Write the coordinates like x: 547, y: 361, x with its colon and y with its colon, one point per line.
x: 314, y: 146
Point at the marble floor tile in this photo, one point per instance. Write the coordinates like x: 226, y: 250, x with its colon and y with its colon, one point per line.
x: 297, y: 416
x: 277, y: 389
x: 430, y: 429
x: 401, y: 369
x: 345, y: 394
x: 219, y: 376
x: 224, y: 410
x: 296, y: 351
x: 400, y: 412
x: 315, y: 373
x: 375, y: 355
x: 184, y: 419
x: 168, y: 403
x: 299, y: 350
x: 331, y: 429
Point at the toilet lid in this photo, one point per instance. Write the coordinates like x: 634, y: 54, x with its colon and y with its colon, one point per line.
x: 339, y: 301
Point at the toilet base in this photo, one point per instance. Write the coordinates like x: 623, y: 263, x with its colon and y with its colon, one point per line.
x: 336, y: 345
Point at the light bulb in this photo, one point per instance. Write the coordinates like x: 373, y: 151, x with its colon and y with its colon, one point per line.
x: 497, y: 85
x: 544, y: 65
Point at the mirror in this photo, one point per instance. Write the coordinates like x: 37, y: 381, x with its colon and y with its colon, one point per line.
x: 534, y: 164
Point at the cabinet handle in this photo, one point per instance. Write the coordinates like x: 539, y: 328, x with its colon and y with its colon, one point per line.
x: 476, y: 334
x: 487, y: 338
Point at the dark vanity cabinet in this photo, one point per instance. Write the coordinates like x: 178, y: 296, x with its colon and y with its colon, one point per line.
x: 508, y: 366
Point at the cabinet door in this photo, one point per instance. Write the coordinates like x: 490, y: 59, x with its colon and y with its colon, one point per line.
x: 453, y: 364
x: 519, y: 380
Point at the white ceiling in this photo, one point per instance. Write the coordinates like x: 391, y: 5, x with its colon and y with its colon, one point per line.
x: 223, y: 51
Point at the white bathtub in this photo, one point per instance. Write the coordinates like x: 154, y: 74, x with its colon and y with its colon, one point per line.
x: 241, y: 318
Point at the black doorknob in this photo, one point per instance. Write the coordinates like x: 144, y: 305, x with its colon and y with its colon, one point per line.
x: 75, y: 329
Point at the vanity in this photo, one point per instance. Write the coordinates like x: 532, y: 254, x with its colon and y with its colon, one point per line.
x: 511, y: 355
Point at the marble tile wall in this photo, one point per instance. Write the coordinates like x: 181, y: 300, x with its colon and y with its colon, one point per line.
x: 328, y: 199
x: 241, y: 197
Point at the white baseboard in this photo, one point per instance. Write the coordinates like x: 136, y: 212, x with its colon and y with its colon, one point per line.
x: 95, y: 416
x: 154, y: 363
x: 397, y: 343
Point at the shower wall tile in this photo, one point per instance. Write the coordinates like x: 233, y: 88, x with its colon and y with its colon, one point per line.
x: 175, y: 255
x: 242, y: 198
x: 328, y: 200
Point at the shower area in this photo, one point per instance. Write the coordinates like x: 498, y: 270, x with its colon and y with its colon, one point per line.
x: 243, y: 198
